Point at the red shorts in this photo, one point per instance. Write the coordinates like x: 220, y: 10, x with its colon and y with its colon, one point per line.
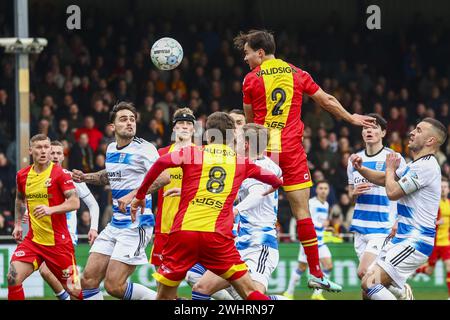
x: 439, y: 252
x: 60, y: 260
x: 296, y: 175
x: 186, y: 248
x: 159, y: 242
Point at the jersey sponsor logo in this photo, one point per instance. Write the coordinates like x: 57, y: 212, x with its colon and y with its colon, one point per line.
x: 224, y: 152
x: 275, y: 70
x: 19, y: 253
x: 209, y: 202
x: 69, y: 181
x: 38, y: 195
x: 115, y: 175
x: 176, y: 176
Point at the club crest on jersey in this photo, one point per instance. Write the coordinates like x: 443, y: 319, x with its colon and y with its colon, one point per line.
x: 48, y: 183
x: 66, y: 273
x: 122, y: 157
x: 379, y: 165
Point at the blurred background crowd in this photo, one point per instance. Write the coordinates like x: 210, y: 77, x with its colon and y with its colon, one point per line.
x: 75, y: 81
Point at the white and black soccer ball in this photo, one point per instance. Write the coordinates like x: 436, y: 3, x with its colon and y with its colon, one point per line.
x: 166, y: 53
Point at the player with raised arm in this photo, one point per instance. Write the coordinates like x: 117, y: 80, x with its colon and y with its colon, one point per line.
x: 417, y: 189
x: 47, y: 191
x: 442, y: 243
x: 57, y: 156
x: 202, y: 230
x: 120, y: 247
x: 272, y: 93
x: 374, y: 216
x: 319, y: 213
x: 183, y: 128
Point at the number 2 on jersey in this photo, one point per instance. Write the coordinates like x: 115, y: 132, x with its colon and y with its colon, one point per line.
x: 278, y: 92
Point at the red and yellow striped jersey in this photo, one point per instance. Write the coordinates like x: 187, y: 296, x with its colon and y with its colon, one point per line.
x: 168, y: 206
x: 45, y: 188
x: 212, y: 176
x: 275, y: 91
x: 443, y: 230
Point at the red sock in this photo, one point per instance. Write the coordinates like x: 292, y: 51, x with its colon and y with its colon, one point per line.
x: 256, y: 295
x: 16, y: 292
x: 308, y: 238
x: 448, y: 283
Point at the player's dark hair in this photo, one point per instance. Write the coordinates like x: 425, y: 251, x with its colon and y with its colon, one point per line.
x: 237, y: 111
x: 440, y: 129
x: 256, y: 134
x: 379, y: 120
x: 221, y: 122
x: 256, y: 39
x: 122, y: 105
x: 56, y: 143
x: 444, y: 179
x: 38, y: 137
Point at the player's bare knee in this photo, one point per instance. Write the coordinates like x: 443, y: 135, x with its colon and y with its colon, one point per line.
x: 113, y: 288
x: 361, y: 273
x: 88, y: 282
x: 200, y: 288
x: 302, y: 267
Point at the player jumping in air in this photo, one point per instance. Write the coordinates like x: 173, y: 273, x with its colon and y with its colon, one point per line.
x: 120, y: 247
x: 202, y: 230
x: 417, y: 189
x: 319, y: 213
x: 48, y: 192
x: 442, y: 243
x: 273, y: 92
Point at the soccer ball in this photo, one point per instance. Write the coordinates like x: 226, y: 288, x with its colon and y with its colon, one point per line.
x: 166, y: 53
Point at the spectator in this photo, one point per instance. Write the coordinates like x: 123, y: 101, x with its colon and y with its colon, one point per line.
x: 5, y: 172
x: 75, y: 119
x: 93, y: 133
x: 81, y: 155
x: 396, y: 123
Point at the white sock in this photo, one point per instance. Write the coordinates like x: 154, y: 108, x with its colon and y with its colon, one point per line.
x: 379, y: 292
x: 92, y: 294
x: 278, y: 297
x: 222, y: 295
x: 63, y: 295
x: 397, y: 292
x: 295, y: 278
x: 136, y: 291
x: 192, y: 278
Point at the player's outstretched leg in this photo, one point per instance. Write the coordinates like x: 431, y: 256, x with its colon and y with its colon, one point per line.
x: 208, y: 285
x: 53, y: 282
x: 298, y: 200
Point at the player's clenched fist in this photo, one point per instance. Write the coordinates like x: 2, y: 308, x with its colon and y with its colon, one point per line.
x: 356, y: 161
x: 135, y: 205
x: 42, y: 211
x: 17, y: 233
x: 78, y: 176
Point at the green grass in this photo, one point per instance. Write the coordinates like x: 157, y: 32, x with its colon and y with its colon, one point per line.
x: 353, y: 295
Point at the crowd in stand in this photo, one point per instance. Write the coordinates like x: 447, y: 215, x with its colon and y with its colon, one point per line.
x: 77, y: 79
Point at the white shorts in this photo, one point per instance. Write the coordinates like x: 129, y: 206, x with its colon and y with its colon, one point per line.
x: 368, y: 243
x: 400, y: 261
x: 261, y: 261
x: 324, y: 252
x: 125, y: 245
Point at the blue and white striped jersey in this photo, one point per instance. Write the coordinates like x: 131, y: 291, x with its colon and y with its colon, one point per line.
x: 126, y: 169
x: 374, y: 214
x: 319, y: 214
x: 418, y: 209
x: 257, y: 225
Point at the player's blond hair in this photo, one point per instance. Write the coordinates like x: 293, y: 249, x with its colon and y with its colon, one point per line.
x: 38, y: 137
x: 184, y: 110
